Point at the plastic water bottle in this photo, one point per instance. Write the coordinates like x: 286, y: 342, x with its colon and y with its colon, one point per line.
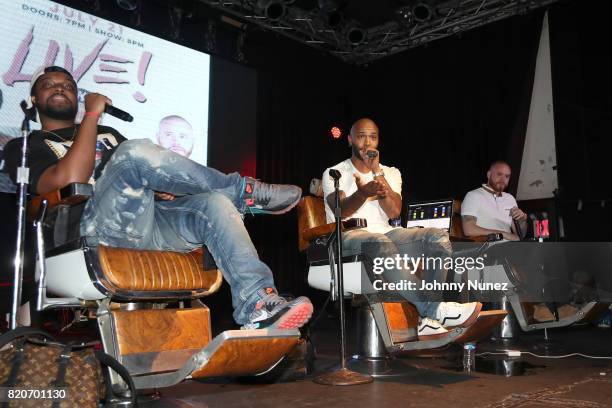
x: 469, y: 357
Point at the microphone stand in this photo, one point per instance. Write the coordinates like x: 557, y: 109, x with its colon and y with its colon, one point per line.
x: 23, y: 175
x: 341, y: 376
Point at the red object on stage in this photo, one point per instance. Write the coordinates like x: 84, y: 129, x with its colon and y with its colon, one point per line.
x: 544, y: 232
x: 336, y: 132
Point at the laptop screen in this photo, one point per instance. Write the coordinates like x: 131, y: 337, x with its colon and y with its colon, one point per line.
x: 430, y: 214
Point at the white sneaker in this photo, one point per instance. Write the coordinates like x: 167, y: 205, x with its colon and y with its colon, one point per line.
x: 430, y: 329
x: 452, y: 314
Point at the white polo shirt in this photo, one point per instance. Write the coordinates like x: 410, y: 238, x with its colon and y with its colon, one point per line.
x: 378, y: 221
x: 491, y: 211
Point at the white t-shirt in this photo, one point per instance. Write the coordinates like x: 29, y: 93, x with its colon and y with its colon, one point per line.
x: 378, y: 221
x: 491, y: 211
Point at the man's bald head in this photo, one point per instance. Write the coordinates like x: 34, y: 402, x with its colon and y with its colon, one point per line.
x: 363, y: 137
x: 363, y: 123
x: 497, y: 163
x: 498, y: 175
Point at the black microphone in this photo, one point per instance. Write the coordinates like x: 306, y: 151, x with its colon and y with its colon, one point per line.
x: 118, y: 113
x: 30, y: 113
x: 335, y: 174
x: 371, y: 154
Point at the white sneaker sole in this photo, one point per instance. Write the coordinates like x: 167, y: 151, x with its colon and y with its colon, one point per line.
x: 470, y: 320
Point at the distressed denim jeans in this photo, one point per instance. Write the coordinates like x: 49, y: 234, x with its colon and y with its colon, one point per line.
x: 207, y: 211
x: 413, y: 242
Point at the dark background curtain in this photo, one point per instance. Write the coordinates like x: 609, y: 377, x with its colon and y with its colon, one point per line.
x: 582, y: 92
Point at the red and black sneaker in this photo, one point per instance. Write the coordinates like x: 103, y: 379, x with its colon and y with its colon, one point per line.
x: 263, y: 198
x: 275, y: 312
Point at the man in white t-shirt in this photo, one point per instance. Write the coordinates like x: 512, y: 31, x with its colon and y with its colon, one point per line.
x: 489, y: 210
x: 372, y: 191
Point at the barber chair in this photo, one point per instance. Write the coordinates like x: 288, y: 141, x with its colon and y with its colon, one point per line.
x: 385, y: 327
x: 518, y: 311
x: 129, y: 292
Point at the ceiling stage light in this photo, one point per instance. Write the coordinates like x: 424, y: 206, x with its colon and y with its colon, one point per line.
x: 272, y: 9
x: 355, y: 35
x: 421, y: 12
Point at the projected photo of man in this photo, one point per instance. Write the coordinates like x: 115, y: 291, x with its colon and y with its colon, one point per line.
x: 176, y: 133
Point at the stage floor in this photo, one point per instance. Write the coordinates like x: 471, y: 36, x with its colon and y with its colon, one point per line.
x: 433, y: 381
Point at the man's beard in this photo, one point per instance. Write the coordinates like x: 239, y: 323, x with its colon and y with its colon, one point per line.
x: 497, y: 187
x: 66, y: 112
x: 356, y: 152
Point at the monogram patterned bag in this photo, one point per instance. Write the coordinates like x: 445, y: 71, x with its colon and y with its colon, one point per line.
x: 37, y: 371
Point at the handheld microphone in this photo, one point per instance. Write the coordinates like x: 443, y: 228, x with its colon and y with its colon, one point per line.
x: 371, y: 154
x: 30, y: 113
x: 118, y: 113
x: 335, y: 174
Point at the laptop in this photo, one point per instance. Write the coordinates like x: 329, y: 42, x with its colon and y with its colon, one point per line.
x: 430, y: 214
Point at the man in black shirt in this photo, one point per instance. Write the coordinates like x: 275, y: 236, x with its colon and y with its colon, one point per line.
x: 195, y: 205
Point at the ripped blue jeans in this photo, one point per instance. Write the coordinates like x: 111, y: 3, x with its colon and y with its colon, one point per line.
x: 207, y: 211
x: 413, y: 242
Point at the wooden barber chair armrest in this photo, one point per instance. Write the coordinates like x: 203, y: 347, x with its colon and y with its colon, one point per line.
x: 457, y: 234
x: 312, y: 223
x: 311, y: 234
x: 72, y: 194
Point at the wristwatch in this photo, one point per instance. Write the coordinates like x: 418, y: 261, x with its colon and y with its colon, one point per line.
x: 380, y: 173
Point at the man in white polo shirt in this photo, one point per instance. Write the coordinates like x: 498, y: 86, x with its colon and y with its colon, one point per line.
x: 489, y: 210
x: 372, y: 191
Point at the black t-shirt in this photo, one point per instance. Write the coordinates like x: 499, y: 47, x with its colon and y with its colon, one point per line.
x: 47, y: 148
